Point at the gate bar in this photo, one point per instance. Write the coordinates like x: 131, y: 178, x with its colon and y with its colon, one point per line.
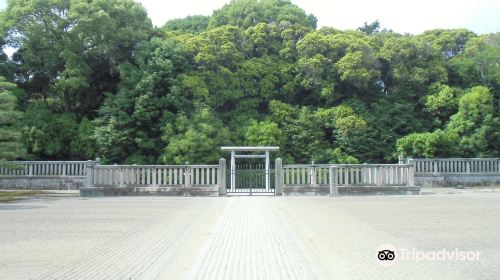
x: 250, y: 156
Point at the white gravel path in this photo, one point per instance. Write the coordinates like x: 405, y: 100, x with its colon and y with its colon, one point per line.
x: 246, y: 237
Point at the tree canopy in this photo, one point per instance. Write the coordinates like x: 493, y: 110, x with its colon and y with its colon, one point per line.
x: 95, y: 79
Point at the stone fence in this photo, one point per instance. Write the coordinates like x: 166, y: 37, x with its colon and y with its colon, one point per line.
x: 175, y: 180
x: 327, y: 179
x: 446, y: 172
x: 323, y: 179
x: 44, y: 175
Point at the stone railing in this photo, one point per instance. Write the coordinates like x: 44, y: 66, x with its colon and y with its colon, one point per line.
x: 373, y: 174
x: 456, y: 165
x: 327, y: 178
x: 45, y: 168
x: 348, y: 174
x: 449, y: 172
x: 44, y: 175
x: 305, y: 174
x: 170, y: 180
x: 152, y: 175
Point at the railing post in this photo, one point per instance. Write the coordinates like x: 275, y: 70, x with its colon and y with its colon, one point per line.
x: 221, y: 177
x: 63, y: 168
x: 187, y: 175
x: 268, y: 172
x: 346, y: 175
x: 401, y: 159
x: 312, y: 172
x: 411, y: 175
x: 379, y: 176
x: 154, y: 173
x: 434, y: 167
x: 121, y: 177
x: 278, y: 167
x: 411, y: 161
x: 467, y: 166
x: 334, y: 187
x: 30, y: 168
x: 89, y: 182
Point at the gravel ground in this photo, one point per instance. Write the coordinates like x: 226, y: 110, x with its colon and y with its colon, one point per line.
x: 67, y: 237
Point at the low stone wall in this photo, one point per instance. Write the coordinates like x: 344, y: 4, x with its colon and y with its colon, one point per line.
x: 400, y: 190
x: 351, y: 190
x: 306, y: 190
x: 41, y: 182
x: 149, y: 191
x: 453, y: 180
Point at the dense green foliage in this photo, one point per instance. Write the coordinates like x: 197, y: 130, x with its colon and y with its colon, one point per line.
x: 96, y: 79
x: 11, y: 146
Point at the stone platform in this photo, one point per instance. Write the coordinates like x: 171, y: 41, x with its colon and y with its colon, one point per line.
x: 149, y: 191
x: 351, y: 190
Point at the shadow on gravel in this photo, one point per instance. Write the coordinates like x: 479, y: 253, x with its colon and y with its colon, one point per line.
x: 20, y: 203
x: 16, y: 205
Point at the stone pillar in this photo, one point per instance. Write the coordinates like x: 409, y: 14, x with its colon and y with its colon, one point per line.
x: 89, y: 181
x: 379, y: 175
x: 411, y: 175
x: 187, y: 175
x: 346, y: 175
x: 278, y: 185
x: 221, y: 177
x: 30, y: 168
x: 122, y: 184
x: 268, y: 173
x: 401, y: 159
x: 312, y: 178
x: 334, y: 187
x: 233, y: 171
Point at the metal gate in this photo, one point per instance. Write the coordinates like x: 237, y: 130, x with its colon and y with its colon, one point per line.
x: 250, y: 179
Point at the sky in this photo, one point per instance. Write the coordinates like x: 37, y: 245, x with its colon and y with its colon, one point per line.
x: 402, y: 16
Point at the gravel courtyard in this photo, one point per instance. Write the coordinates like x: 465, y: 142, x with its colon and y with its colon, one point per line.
x: 247, y: 237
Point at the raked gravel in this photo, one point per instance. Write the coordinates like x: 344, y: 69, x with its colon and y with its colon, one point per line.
x: 64, y: 237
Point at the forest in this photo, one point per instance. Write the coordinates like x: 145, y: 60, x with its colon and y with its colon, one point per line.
x: 95, y: 78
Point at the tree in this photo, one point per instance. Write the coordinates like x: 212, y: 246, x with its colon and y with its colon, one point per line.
x: 442, y: 103
x: 195, y: 139
x: 337, y: 156
x: 247, y: 13
x: 153, y: 90
x: 478, y: 64
x: 428, y: 144
x: 189, y: 24
x: 49, y: 135
x: 98, y: 80
x: 266, y: 133
x: 371, y: 28
x: 11, y: 146
x: 68, y: 50
x: 476, y: 123
x: 304, y: 138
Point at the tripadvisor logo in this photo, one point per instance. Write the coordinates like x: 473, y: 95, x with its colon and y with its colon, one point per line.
x: 386, y: 255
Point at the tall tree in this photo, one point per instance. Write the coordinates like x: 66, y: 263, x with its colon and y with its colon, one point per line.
x: 11, y: 146
x: 190, y: 24
x: 247, y: 13
x: 67, y: 51
x: 153, y: 90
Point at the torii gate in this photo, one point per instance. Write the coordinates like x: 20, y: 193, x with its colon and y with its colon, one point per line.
x: 234, y: 156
